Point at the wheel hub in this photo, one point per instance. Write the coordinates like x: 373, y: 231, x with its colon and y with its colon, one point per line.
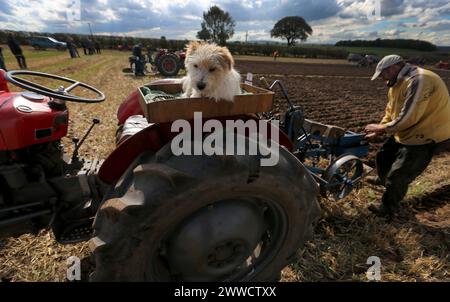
x: 169, y: 66
x: 216, y: 240
x: 226, y: 254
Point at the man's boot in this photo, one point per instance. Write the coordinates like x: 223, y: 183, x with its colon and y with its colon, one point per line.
x: 384, y: 210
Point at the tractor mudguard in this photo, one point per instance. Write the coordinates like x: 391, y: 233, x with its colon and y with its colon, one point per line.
x: 129, y: 107
x: 153, y: 138
x: 149, y: 139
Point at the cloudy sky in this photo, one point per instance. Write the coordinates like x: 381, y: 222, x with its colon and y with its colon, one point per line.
x: 332, y: 20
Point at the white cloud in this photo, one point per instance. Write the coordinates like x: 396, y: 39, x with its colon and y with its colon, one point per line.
x: 192, y: 18
x: 332, y: 20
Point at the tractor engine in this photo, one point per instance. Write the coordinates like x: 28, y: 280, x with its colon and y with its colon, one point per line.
x: 22, y: 172
x: 25, y: 194
x: 39, y: 186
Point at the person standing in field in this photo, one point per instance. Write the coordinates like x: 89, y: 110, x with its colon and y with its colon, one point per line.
x: 139, y: 63
x: 275, y: 55
x: 77, y: 54
x: 97, y: 47
x: 71, y: 48
x: 417, y: 119
x: 83, y: 44
x: 17, y: 51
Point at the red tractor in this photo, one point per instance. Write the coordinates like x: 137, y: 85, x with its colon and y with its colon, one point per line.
x: 167, y: 63
x: 149, y: 215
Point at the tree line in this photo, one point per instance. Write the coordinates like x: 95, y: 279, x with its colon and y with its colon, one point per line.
x: 126, y: 43
x: 106, y: 42
x: 391, y: 43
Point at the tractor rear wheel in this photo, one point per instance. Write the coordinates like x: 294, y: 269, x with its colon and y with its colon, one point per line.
x: 204, y: 218
x: 168, y: 64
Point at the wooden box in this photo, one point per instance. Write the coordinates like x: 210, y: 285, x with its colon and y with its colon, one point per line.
x: 260, y: 100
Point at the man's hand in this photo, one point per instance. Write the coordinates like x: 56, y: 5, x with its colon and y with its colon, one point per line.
x: 375, y: 128
x: 374, y: 131
x: 371, y: 137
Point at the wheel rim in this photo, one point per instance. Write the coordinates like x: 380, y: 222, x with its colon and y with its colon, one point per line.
x: 241, y: 237
x: 341, y: 184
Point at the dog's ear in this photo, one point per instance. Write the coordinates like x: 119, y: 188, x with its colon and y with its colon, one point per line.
x: 192, y: 47
x: 226, y: 58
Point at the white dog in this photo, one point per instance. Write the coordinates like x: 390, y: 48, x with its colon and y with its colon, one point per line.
x: 210, y: 72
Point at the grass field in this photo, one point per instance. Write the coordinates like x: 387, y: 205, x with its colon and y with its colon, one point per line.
x: 413, y: 247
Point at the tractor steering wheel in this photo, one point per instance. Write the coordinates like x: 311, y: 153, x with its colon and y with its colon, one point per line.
x: 60, y: 93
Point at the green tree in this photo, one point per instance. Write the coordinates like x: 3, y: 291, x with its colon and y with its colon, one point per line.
x: 292, y: 28
x: 218, y: 24
x: 204, y: 33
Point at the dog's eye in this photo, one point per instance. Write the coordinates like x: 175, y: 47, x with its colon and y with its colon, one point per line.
x: 196, y: 66
x: 212, y: 69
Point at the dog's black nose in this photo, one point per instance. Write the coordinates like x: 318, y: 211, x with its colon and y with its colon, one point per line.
x: 201, y: 85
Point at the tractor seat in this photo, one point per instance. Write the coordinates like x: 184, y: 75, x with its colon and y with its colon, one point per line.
x: 132, y: 125
x: 319, y: 129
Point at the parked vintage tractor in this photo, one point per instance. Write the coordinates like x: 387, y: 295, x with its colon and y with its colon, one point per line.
x: 165, y: 62
x: 151, y: 215
x: 362, y: 60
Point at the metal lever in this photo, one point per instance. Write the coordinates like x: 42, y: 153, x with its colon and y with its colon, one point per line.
x: 78, y: 143
x: 283, y: 90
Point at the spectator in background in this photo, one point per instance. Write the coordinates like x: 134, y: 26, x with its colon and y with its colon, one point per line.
x: 17, y: 51
x: 71, y: 49
x: 139, y: 60
x: 75, y: 50
x: 91, y: 47
x: 97, y: 47
x: 275, y: 55
x: 2, y: 60
x: 83, y: 44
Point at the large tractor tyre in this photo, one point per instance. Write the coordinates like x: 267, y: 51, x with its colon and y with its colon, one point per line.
x: 204, y: 218
x: 168, y: 64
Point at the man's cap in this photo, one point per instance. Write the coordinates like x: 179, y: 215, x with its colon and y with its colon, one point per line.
x: 386, y: 62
